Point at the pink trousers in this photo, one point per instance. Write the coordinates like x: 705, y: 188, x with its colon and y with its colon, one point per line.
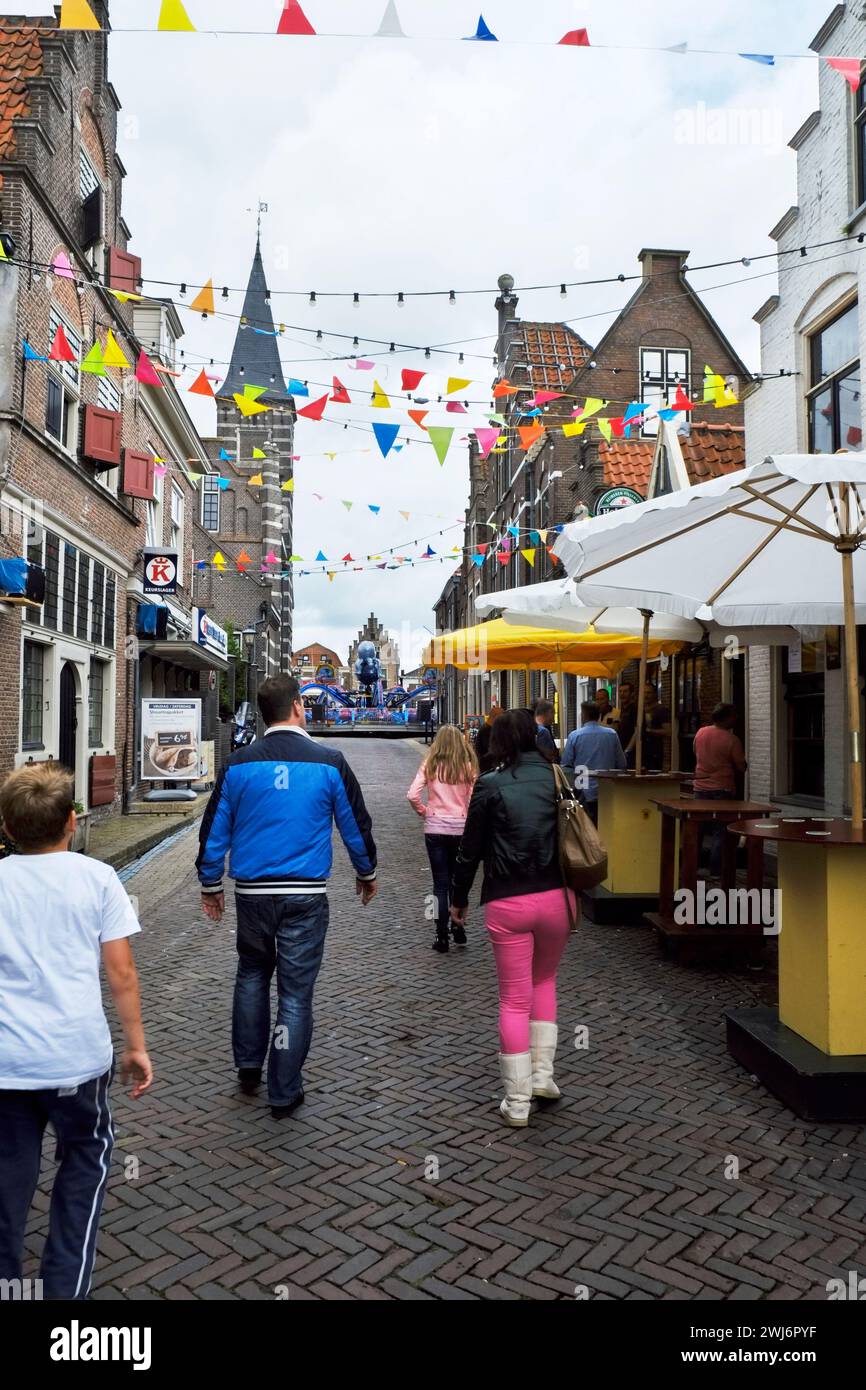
x: 528, y: 935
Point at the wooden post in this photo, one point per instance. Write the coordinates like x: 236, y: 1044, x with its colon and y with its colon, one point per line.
x: 644, y: 653
x: 560, y: 700
x: 851, y: 671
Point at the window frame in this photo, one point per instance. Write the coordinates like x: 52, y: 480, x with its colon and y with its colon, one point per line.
x: 67, y: 377
x: 177, y: 524
x: 210, y: 492
x: 858, y: 126
x: 832, y: 382
x: 661, y: 382
x: 99, y: 664
x: 33, y: 745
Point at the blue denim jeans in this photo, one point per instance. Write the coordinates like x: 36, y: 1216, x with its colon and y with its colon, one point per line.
x: 718, y: 832
x: 286, y: 934
x: 442, y: 853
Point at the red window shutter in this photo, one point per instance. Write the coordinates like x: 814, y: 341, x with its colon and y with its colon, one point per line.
x: 102, y: 435
x: 124, y: 270
x: 138, y: 474
x: 102, y: 775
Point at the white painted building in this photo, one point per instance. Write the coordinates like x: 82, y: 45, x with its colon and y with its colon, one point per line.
x: 814, y: 329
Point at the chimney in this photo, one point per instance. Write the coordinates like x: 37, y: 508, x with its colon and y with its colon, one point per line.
x: 655, y: 262
x: 506, y: 307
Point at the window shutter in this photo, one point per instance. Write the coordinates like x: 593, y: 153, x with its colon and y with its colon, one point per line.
x: 124, y: 271
x: 138, y: 474
x: 91, y: 218
x: 102, y: 776
x: 102, y: 435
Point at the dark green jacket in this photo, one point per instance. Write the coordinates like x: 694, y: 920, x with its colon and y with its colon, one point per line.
x: 511, y: 826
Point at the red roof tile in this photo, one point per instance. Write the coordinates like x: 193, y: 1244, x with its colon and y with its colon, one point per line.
x: 553, y: 351
x: 708, y: 452
x: 20, y: 60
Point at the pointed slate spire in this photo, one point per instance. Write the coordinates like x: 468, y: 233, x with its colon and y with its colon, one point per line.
x: 256, y: 353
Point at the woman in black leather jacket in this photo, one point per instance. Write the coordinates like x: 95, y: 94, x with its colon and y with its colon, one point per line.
x: 512, y: 827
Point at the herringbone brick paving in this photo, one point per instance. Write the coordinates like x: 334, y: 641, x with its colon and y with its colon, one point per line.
x: 397, y: 1180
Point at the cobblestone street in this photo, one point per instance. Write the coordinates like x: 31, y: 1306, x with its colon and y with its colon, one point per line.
x: 621, y: 1188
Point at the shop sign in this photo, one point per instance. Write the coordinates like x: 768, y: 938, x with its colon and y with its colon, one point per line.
x: 171, y: 740
x: 615, y: 499
x: 210, y: 635
x: 160, y: 571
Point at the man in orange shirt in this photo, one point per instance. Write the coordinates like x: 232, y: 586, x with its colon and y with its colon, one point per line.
x: 719, y: 759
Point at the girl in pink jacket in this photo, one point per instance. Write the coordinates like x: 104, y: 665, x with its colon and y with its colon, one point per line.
x: 448, y: 774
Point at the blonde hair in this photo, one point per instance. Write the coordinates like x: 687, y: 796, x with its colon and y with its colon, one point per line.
x: 35, y: 804
x: 451, y: 758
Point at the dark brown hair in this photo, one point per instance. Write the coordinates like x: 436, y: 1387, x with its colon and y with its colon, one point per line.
x: 276, y: 697
x: 35, y: 804
x: 513, y: 733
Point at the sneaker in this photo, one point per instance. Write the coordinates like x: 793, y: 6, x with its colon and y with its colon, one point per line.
x: 458, y: 935
x: 250, y: 1079
x: 441, y: 944
x: 282, y: 1112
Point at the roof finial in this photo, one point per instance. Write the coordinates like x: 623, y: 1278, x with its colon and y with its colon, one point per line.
x: 262, y: 208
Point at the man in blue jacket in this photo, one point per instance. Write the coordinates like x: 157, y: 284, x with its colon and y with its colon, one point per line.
x: 272, y: 810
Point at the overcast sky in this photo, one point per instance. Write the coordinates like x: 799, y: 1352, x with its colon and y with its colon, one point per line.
x: 429, y: 164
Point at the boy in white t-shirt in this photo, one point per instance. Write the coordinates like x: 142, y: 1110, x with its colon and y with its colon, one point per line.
x: 59, y: 913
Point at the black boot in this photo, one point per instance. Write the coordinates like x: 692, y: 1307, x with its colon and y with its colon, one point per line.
x: 250, y: 1079
x: 282, y: 1112
x: 458, y: 934
x: 441, y: 942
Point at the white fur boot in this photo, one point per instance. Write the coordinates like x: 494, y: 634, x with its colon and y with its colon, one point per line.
x: 516, y: 1072
x: 542, y: 1040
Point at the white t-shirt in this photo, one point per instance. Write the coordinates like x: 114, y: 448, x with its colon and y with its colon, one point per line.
x: 56, y: 910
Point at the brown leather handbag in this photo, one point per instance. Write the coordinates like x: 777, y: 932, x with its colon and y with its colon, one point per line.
x: 582, y: 854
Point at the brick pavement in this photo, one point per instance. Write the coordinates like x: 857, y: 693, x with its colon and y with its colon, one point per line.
x: 620, y: 1189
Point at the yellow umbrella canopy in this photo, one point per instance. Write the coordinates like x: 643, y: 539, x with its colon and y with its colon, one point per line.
x: 502, y: 646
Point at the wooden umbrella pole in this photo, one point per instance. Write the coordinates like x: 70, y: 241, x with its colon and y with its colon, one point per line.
x: 851, y: 671
x: 560, y: 700
x: 527, y: 673
x: 641, y: 696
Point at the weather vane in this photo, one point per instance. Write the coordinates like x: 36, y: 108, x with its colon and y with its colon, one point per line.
x: 262, y: 208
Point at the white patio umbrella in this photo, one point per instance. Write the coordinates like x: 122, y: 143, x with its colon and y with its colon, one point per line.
x: 778, y: 543
x: 554, y: 603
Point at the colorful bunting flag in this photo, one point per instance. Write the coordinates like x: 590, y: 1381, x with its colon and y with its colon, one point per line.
x: 578, y: 37
x: 529, y: 434
x: 714, y: 386
x: 114, y: 355
x: 504, y: 388
x: 486, y: 439
x: 412, y: 379
x: 256, y: 481
x: 297, y: 388
x: 849, y: 68
x: 386, y: 436
x: 574, y: 427
x: 77, y: 14
x: 225, y: 456
x: 362, y: 366
x: 259, y: 454
x: 247, y: 406
x: 374, y: 508
x: 390, y: 28
x: 321, y: 556
x: 288, y: 486
x: 174, y: 17
x: 145, y: 372
x: 604, y: 426
x: 543, y: 397
x: 204, y: 301
x: 529, y: 557
x: 592, y: 406
x: 482, y: 33
x: 478, y: 560
x: 681, y: 401
x: 455, y: 408
x: 30, y: 355
x: 219, y: 559
x: 440, y: 438
x: 405, y: 515
x: 61, y: 264
x: 340, y: 394
x: 122, y: 296
x: 224, y: 484
x: 419, y: 416
x: 94, y: 362
x: 316, y: 409
x: 253, y: 393
x: 456, y: 383
x: 635, y: 409
x: 293, y: 20
x: 380, y: 400
x: 348, y: 505
x: 766, y: 58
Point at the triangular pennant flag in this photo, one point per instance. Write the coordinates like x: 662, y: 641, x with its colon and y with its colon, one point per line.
x: 503, y: 556
x: 529, y: 556
x: 604, y: 426
x: 482, y: 547
x: 578, y: 37
x: 380, y: 400
x: 297, y: 388
x: 456, y: 383
x: 542, y: 397
x: 321, y: 556
x: 429, y: 553
x: 766, y: 58
x: 316, y: 409
x: 114, y: 355
x: 635, y: 409
x: 77, y: 14
x: 204, y: 302
x: 201, y: 386
x: 482, y: 33
x: 253, y: 392
x: 122, y: 296
x: 440, y: 438
x: 160, y: 469
x: 293, y: 20
x: 681, y: 401
x: 677, y: 48
x: 30, y: 355
x: 348, y: 505
x: 529, y: 434
x: 419, y: 416
x: 667, y: 413
x: 256, y: 481
x: 3, y: 256
x: 174, y: 17
x: 225, y: 456
x: 348, y: 558
x: 195, y: 477
x: 714, y: 386
x: 478, y: 560
x: 574, y: 427
x: 486, y: 439
x: 849, y: 68
x: 94, y: 362
x: 270, y: 558
x: 542, y: 536
x: 412, y: 379
x: 288, y: 485
x: 248, y: 407
x: 592, y: 406
x: 405, y: 515
x: 259, y: 454
x: 455, y: 408
x: 504, y: 388
x: 374, y: 508
x: 340, y: 395
x: 535, y: 537
x: 224, y: 484
x: 513, y: 531
x: 62, y: 266
x: 145, y: 373
x: 363, y: 366
x: 386, y: 436
x: 390, y: 28
x: 219, y: 558
x: 618, y: 426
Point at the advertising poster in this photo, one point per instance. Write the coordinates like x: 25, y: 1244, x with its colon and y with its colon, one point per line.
x: 170, y: 740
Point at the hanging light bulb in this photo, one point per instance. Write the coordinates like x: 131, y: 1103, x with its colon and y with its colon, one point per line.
x: 401, y: 302
x: 452, y: 298
x: 312, y: 296
x: 563, y: 292
x: 355, y: 342
x: 460, y: 358
x: 243, y: 371
x: 319, y: 336
x: 273, y: 378
x: 356, y: 299
x: 225, y: 292
x: 392, y: 348
x: 182, y: 290
x: 426, y: 352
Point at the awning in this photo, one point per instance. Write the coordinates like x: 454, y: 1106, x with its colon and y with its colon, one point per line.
x: 498, y: 645
x: 188, y: 655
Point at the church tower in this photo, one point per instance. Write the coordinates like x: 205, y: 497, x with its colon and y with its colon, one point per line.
x: 256, y: 371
